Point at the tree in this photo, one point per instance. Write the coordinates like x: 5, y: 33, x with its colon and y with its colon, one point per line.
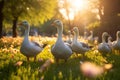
x: 36, y: 11
x: 109, y: 16
x: 111, y: 20
x: 1, y: 17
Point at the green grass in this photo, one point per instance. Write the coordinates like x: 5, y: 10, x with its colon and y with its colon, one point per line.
x: 69, y: 70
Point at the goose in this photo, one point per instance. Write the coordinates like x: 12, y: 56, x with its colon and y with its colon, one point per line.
x: 104, y: 47
x: 91, y: 38
x: 85, y: 35
x: 60, y: 49
x: 29, y: 48
x: 116, y: 44
x: 78, y: 47
x: 92, y: 70
x: 110, y: 41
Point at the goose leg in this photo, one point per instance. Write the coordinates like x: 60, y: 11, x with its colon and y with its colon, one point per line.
x: 35, y: 58
x: 27, y: 58
x: 57, y: 60
x: 83, y: 56
x: 65, y: 60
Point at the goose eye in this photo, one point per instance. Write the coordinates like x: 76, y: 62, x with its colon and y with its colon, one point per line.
x: 58, y: 22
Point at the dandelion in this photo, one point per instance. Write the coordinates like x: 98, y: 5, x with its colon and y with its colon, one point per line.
x: 60, y: 75
x: 46, y: 65
x: 42, y: 78
x: 19, y: 63
x: 40, y: 59
x: 12, y: 56
x: 92, y: 70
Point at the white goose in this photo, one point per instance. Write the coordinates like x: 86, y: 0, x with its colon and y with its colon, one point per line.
x: 78, y: 47
x: 116, y: 44
x: 91, y: 38
x: 60, y: 50
x: 29, y: 48
x: 104, y: 47
x: 110, y: 41
x: 85, y: 35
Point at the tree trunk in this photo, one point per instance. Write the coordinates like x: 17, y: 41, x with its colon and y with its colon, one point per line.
x: 110, y: 21
x: 1, y: 17
x: 67, y: 12
x: 15, y: 26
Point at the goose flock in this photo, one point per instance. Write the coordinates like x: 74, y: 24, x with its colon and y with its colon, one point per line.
x: 78, y: 47
x: 104, y: 47
x: 63, y: 50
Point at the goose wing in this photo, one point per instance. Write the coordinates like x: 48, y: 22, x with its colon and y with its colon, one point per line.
x: 36, y: 44
x: 84, y: 44
x: 67, y: 44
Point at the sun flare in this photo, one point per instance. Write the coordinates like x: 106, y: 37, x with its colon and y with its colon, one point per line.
x: 74, y: 7
x: 79, y: 4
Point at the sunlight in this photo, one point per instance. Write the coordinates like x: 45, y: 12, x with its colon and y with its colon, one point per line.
x: 69, y: 16
x: 74, y: 7
x: 79, y: 4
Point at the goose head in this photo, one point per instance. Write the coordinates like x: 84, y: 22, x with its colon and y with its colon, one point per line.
x: 91, y: 32
x: 58, y: 23
x: 104, y: 35
x: 76, y: 31
x: 24, y: 24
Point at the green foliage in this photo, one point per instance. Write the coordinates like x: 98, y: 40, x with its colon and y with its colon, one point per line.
x: 48, y: 28
x: 35, y: 11
x: 93, y: 25
x: 69, y: 70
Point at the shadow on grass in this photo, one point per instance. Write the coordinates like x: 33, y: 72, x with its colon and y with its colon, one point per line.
x: 7, y: 70
x: 27, y: 68
x: 69, y: 70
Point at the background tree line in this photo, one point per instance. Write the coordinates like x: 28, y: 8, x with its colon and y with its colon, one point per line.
x: 35, y: 11
x: 42, y: 12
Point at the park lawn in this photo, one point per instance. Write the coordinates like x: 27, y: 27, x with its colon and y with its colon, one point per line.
x: 70, y: 70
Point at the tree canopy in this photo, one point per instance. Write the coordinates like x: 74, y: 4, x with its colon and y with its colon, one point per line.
x: 34, y: 11
x: 102, y: 15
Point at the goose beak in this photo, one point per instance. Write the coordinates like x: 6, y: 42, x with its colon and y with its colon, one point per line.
x: 52, y: 24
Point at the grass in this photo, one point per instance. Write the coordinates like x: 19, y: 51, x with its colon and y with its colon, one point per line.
x: 70, y: 70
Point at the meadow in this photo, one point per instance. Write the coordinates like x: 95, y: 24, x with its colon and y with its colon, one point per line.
x: 70, y: 70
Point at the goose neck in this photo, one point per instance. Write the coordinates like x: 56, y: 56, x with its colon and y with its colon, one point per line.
x: 69, y: 36
x: 76, y: 34
x: 118, y: 37
x: 103, y: 39
x: 27, y: 32
x: 91, y: 34
x: 60, y: 31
